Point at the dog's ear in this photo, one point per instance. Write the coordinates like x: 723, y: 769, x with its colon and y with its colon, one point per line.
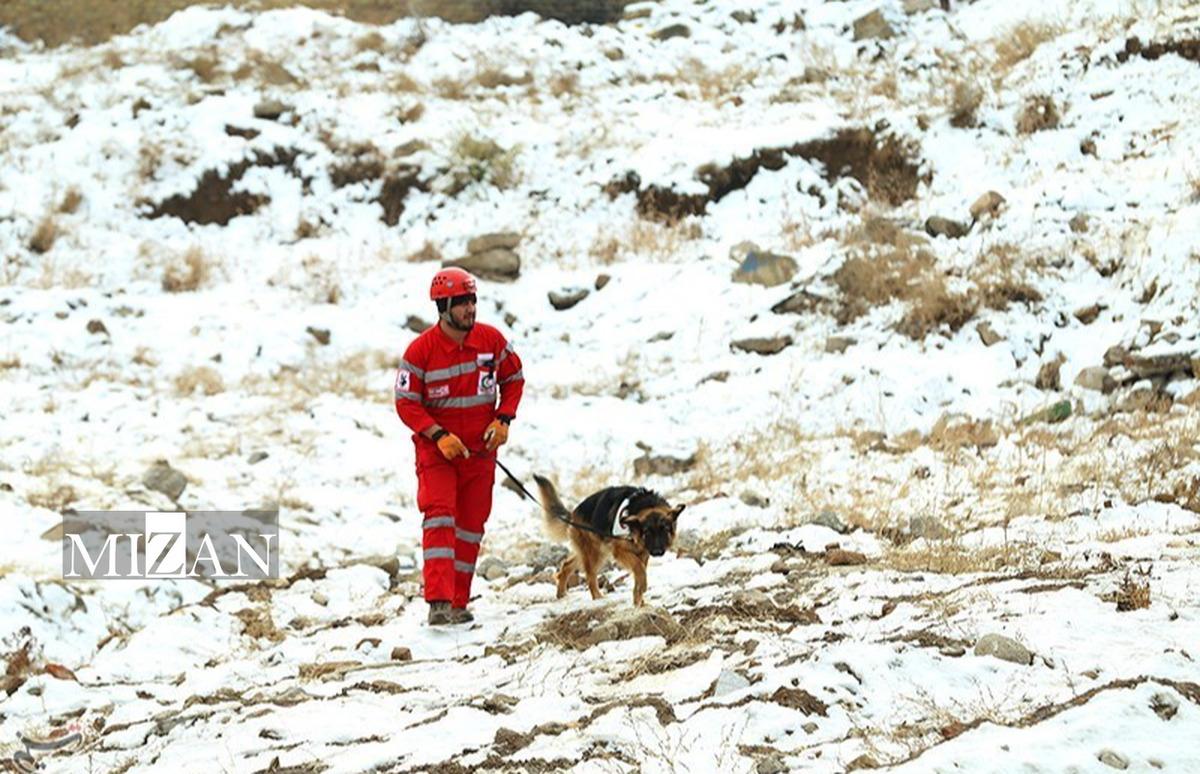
x: 630, y: 519
x: 678, y: 509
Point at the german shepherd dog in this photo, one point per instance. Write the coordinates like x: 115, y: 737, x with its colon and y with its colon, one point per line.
x: 644, y: 521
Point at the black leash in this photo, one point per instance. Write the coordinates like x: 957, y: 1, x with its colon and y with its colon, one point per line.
x: 525, y: 493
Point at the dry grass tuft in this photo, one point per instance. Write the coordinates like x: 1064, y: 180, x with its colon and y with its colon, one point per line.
x: 365, y: 375
x: 1002, y: 275
x: 484, y: 161
x: 70, y: 201
x: 44, y: 235
x: 204, y: 378
x: 1018, y: 43
x: 1037, y: 114
x: 1132, y: 594
x: 188, y: 272
x: 56, y: 499
x: 492, y: 78
x: 372, y: 41
x: 428, y: 252
x: 965, y: 99
x: 951, y: 557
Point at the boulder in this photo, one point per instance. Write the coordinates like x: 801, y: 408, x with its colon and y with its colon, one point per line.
x: 498, y: 264
x: 161, y: 477
x: 763, y: 346
x: 506, y: 240
x: 987, y: 205
x: 937, y: 226
x: 1096, y: 378
x: 873, y: 26
x: 567, y: 298
x: 760, y: 267
x: 1003, y: 648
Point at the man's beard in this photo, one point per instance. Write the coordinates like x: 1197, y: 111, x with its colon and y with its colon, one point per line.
x: 456, y: 325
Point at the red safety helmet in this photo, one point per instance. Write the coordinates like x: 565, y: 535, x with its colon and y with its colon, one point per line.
x: 452, y: 282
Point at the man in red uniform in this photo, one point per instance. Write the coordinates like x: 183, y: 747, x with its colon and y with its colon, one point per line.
x: 446, y: 392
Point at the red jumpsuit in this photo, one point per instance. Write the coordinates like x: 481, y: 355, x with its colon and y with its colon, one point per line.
x: 455, y: 385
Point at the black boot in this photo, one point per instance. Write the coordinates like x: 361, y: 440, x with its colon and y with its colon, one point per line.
x: 460, y: 615
x: 440, y: 614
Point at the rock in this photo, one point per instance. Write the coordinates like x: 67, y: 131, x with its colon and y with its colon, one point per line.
x: 1160, y: 365
x: 566, y: 298
x: 763, y: 346
x: 838, y: 557
x: 1114, y: 356
x: 836, y: 345
x: 673, y: 31
x: 937, y: 226
x: 1048, y: 377
x: 686, y: 540
x: 987, y: 334
x: 320, y: 334
x: 320, y: 598
x: 873, y: 26
x: 1079, y: 223
x: 801, y: 302
x: 257, y: 457
x: 161, y: 477
x: 492, y: 568
x: 498, y: 264
x: 810, y: 727
x: 913, y: 7
x: 1113, y: 759
x: 744, y: 17
x: 754, y: 499
x: 505, y: 240
x: 759, y: 267
x: 1003, y: 648
x: 627, y: 623
x: 1164, y: 704
x: 601, y: 281
x: 416, y: 324
x: 830, y: 520
x: 1056, y: 412
x: 401, y: 654
x: 270, y: 109
x: 716, y: 376
x: 1096, y: 378
x: 96, y: 326
x: 927, y: 527
x: 729, y: 681
x: 662, y: 465
x: 547, y: 555
x: 953, y: 651
x: 772, y: 764
x: 1088, y: 314
x: 987, y: 205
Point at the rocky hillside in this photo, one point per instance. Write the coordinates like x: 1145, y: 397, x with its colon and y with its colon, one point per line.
x: 898, y: 297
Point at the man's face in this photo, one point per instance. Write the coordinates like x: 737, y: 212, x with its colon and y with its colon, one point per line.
x: 462, y: 312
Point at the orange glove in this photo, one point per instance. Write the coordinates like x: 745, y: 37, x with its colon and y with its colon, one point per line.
x: 496, y: 435
x: 451, y: 446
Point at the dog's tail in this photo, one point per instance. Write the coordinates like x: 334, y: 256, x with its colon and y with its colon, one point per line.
x: 553, y: 509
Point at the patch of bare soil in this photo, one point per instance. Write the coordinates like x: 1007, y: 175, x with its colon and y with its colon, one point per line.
x: 580, y: 629
x: 887, y: 168
x: 214, y: 200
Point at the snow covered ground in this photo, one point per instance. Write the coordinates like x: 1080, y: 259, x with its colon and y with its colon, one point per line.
x: 895, y: 420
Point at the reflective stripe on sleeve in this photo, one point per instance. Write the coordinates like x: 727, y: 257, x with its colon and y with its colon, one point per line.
x: 407, y: 366
x: 515, y: 377
x: 408, y: 396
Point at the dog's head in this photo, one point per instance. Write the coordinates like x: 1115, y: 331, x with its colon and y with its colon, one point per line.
x: 651, y: 521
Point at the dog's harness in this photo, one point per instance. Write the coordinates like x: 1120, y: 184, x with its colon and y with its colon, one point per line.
x: 623, y: 535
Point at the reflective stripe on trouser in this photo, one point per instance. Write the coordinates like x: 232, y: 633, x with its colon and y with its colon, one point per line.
x: 462, y: 488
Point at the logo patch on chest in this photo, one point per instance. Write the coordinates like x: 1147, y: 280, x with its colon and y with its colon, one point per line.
x: 440, y: 391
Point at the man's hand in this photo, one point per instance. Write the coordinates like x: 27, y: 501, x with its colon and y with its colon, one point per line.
x: 496, y: 435
x: 451, y: 446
